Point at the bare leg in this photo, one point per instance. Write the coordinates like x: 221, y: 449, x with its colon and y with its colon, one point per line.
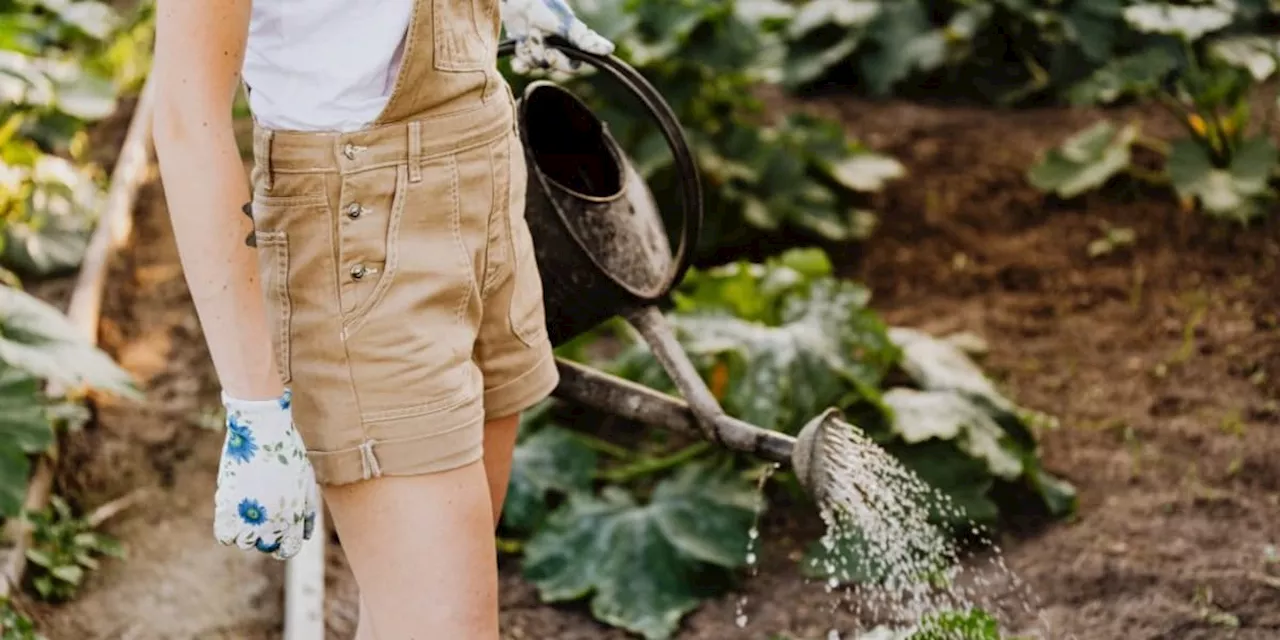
x: 421, y: 548
x: 499, y: 442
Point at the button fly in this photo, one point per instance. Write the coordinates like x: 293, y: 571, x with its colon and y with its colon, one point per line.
x: 354, y: 210
x: 359, y: 271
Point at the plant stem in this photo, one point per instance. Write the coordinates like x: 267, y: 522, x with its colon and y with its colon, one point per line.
x: 647, y: 466
x: 1152, y: 144
x: 1151, y: 177
x: 604, y: 446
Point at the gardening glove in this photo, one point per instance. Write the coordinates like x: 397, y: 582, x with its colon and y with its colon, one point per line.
x: 266, y: 497
x: 529, y: 22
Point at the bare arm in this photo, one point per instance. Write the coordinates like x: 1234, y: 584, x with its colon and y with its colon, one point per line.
x: 198, y: 53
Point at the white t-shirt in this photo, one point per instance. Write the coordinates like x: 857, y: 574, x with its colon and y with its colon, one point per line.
x: 323, y: 65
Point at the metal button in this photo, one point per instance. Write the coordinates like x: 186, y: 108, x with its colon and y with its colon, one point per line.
x: 359, y: 271
x: 354, y: 210
x: 349, y: 150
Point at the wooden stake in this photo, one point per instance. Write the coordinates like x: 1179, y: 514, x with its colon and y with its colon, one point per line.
x: 304, y: 587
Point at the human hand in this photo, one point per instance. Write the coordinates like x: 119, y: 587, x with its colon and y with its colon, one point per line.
x: 266, y: 497
x: 529, y: 22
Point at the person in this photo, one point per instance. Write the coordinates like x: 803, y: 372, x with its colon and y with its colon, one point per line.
x: 374, y: 312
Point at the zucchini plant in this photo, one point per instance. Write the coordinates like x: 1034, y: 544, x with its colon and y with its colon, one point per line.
x: 646, y: 531
x: 1225, y: 162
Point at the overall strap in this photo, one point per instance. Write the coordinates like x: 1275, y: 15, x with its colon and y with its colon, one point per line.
x: 450, y: 60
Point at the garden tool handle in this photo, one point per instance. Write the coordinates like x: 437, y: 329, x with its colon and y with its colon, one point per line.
x: 655, y: 330
x: 665, y: 118
x: 626, y: 399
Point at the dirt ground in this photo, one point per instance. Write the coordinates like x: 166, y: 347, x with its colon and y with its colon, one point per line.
x: 1162, y: 360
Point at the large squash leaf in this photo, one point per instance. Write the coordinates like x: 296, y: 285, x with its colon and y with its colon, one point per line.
x: 1085, y: 161
x: 26, y: 430
x: 36, y: 338
x: 1232, y: 192
x: 643, y: 564
x: 60, y: 202
x: 777, y: 342
x: 919, y: 416
x: 551, y: 460
x: 940, y: 367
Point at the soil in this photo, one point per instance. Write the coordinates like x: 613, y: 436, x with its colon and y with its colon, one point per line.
x: 1161, y: 359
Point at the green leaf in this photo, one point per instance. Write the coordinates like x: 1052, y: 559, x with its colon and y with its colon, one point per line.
x: 95, y: 19
x: 38, y: 339
x: 22, y: 412
x: 826, y: 347
x: 1229, y: 192
x: 905, y: 42
x: 550, y: 460
x: 1256, y: 54
x: 1188, y: 22
x: 1140, y: 74
x: 14, y: 472
x: 69, y: 573
x: 973, y: 624
x: 52, y: 238
x: 1085, y: 161
x: 867, y: 171
x: 940, y: 365
x: 947, y: 415
x: 642, y: 564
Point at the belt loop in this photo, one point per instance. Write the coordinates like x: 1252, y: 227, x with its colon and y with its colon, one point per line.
x: 415, y: 151
x: 262, y: 152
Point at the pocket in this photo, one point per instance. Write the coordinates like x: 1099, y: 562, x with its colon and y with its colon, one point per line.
x: 368, y: 248
x: 527, y: 315
x: 464, y: 34
x: 273, y: 271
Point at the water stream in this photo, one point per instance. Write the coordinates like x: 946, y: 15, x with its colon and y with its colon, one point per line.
x: 893, y: 563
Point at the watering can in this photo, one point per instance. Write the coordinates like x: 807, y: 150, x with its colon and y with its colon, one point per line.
x: 603, y: 250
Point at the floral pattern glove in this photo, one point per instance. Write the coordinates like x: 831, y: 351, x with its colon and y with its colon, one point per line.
x: 266, y: 497
x: 529, y: 22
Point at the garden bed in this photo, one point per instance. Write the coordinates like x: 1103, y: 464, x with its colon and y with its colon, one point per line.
x: 1161, y: 358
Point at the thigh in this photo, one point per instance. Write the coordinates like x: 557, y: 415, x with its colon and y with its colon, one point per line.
x: 422, y: 551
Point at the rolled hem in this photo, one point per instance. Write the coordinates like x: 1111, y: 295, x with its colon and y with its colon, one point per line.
x: 459, y: 443
x: 524, y: 391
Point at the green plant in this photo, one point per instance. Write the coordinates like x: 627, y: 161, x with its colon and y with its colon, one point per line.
x: 801, y: 175
x: 63, y: 548
x: 1006, y: 51
x: 14, y: 625
x: 1203, y: 77
x: 62, y: 65
x: 1003, y: 51
x: 777, y: 342
x: 38, y: 343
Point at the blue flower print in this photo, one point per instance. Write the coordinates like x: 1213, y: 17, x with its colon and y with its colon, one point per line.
x: 286, y: 399
x: 265, y: 547
x: 252, y: 512
x: 240, y: 444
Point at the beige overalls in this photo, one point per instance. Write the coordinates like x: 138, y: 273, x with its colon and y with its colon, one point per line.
x: 397, y: 267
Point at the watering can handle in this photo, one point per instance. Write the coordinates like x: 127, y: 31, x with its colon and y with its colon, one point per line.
x: 665, y: 118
